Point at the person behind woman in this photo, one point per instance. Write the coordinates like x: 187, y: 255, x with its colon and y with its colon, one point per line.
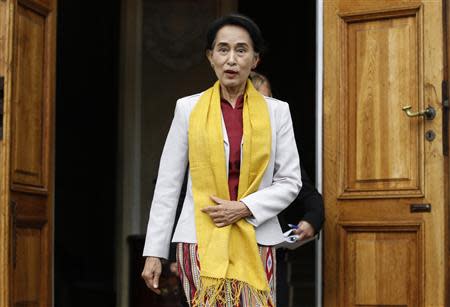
x: 261, y: 83
x: 244, y: 169
x: 307, y: 208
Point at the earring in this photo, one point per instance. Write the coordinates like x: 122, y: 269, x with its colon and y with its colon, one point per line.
x: 212, y: 65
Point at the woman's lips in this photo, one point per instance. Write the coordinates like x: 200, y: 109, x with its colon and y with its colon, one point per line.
x: 231, y: 73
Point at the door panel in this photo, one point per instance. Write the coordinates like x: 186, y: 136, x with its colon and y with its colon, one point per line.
x: 30, y: 55
x: 380, y: 69
x: 29, y: 125
x: 31, y: 250
x: 381, y: 263
x: 380, y: 56
x: 27, y: 273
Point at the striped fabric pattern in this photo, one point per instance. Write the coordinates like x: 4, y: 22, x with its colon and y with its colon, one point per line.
x: 189, y: 272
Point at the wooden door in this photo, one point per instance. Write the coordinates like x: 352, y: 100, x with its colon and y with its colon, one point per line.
x: 381, y: 173
x: 27, y: 54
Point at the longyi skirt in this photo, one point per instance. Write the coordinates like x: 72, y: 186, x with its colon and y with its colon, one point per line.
x: 189, y: 272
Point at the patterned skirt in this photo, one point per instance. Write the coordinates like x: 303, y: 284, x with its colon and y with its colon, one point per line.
x: 189, y: 272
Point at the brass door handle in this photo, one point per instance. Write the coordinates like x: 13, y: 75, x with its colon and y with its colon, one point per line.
x: 429, y: 113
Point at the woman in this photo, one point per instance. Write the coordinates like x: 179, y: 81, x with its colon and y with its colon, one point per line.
x: 243, y: 170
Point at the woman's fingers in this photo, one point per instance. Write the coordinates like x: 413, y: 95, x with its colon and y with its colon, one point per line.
x: 174, y: 268
x: 212, y: 210
x: 217, y: 216
x: 218, y: 200
x: 226, y: 212
x: 151, y: 273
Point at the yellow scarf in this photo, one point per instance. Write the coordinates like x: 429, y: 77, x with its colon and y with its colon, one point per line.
x: 229, y: 256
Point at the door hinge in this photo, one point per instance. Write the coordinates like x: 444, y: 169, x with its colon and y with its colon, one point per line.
x: 445, y: 117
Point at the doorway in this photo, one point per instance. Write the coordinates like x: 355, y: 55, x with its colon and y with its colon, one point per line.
x: 86, y: 228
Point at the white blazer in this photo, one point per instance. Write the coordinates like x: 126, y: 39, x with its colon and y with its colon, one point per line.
x: 280, y: 185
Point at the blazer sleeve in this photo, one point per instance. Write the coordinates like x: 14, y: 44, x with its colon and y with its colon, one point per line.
x: 171, y: 172
x: 266, y: 203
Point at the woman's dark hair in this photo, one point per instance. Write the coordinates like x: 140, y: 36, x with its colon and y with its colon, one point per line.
x: 236, y: 20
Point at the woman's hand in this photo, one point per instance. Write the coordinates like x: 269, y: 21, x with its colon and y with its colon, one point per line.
x: 304, y: 230
x: 151, y: 273
x: 226, y: 212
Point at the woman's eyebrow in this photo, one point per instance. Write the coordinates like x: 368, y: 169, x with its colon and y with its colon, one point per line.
x: 243, y: 44
x: 222, y: 44
x: 240, y: 44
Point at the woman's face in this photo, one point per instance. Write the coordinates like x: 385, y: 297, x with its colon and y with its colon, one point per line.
x: 233, y: 56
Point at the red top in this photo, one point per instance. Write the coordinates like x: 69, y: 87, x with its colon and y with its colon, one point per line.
x: 233, y: 123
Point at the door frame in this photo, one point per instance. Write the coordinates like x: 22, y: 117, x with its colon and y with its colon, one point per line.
x: 128, y: 207
x: 319, y: 145
x: 445, y: 131
x: 6, y: 24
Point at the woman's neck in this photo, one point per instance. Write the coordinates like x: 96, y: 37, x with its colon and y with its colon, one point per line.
x: 232, y: 94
